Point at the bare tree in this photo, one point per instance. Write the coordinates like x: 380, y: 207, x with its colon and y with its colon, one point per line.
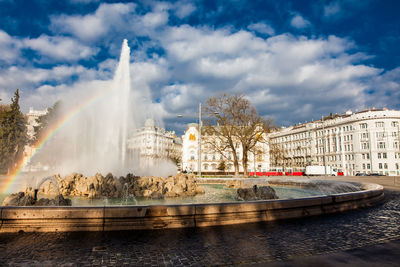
x: 237, y: 125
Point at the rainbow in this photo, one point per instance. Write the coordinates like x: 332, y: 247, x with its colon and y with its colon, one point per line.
x: 48, y: 134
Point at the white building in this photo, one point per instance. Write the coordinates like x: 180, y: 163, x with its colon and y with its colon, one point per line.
x: 32, y: 117
x: 151, y: 143
x: 31, y: 121
x: 213, y: 162
x: 361, y: 142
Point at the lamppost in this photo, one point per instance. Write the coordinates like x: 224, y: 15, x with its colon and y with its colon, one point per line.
x: 199, y: 159
x: 323, y: 143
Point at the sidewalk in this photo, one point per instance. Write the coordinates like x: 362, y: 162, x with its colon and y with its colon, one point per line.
x: 388, y: 182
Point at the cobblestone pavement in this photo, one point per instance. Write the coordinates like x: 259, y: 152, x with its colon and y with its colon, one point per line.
x: 279, y: 243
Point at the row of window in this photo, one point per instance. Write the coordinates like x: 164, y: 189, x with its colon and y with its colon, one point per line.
x: 379, y: 124
x: 346, y: 128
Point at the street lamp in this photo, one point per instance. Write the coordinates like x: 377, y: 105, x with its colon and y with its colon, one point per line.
x: 323, y: 143
x: 200, y: 124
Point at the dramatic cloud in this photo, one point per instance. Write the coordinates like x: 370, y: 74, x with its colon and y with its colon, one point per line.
x: 181, y: 56
x: 277, y: 73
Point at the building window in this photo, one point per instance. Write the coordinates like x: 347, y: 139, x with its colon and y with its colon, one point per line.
x: 384, y: 155
x: 395, y: 123
x: 364, y: 146
x: 205, y: 166
x: 386, y: 165
x: 363, y: 166
x: 363, y: 125
x: 381, y: 145
x: 380, y: 165
x: 380, y: 124
x: 379, y: 156
x: 380, y: 134
x: 368, y: 166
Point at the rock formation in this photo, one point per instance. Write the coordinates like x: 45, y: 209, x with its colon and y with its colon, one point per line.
x: 24, y: 199
x: 257, y: 193
x: 112, y: 187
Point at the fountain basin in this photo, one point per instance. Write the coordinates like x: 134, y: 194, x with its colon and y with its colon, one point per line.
x: 110, y: 218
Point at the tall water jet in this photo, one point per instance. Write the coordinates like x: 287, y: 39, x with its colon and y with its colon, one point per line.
x: 94, y: 138
x: 104, y: 125
x: 119, y: 96
x: 123, y: 81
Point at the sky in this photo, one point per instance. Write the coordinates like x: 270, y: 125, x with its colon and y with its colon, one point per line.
x: 294, y: 60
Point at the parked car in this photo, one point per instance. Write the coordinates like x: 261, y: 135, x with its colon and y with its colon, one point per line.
x: 361, y: 174
x: 376, y: 174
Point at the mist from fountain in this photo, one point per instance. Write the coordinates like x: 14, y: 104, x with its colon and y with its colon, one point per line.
x: 95, y: 139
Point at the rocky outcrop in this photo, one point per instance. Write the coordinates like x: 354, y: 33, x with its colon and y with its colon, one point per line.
x: 256, y: 193
x: 112, y: 187
x: 24, y: 199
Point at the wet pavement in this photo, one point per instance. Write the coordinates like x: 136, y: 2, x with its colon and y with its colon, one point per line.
x: 348, y: 238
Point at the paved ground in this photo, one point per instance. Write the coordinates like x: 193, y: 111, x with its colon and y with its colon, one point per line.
x: 367, y: 237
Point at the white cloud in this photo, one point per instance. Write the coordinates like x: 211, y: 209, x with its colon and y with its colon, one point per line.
x: 278, y: 73
x: 262, y: 28
x: 9, y: 48
x: 290, y: 77
x: 384, y: 90
x: 184, y: 9
x: 60, y: 48
x: 93, y: 26
x: 29, y: 79
x: 155, y: 19
x: 299, y: 22
x: 185, y: 43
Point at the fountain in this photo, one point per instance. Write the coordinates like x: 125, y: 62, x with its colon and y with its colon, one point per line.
x: 100, y: 120
x: 97, y: 132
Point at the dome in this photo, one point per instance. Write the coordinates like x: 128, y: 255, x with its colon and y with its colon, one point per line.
x: 149, y: 123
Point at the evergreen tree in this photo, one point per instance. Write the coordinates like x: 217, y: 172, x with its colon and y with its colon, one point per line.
x: 13, y: 135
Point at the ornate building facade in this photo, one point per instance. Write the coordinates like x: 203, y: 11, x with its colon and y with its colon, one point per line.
x: 151, y: 143
x: 361, y: 142
x: 214, y: 162
x: 31, y: 121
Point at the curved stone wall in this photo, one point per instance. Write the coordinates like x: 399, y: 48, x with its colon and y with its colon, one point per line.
x: 110, y: 218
